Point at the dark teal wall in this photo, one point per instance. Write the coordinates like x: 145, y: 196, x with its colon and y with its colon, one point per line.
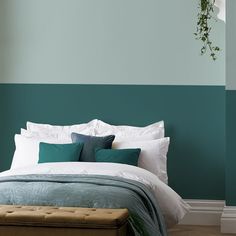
x: 231, y: 147
x: 194, y: 116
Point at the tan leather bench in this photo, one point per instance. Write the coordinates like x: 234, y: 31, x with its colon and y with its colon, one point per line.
x: 62, y: 221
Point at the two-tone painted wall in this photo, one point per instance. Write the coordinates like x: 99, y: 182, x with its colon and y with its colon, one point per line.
x: 231, y: 104
x: 136, y: 62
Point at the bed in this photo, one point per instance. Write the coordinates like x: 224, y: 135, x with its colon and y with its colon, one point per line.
x: 141, y: 188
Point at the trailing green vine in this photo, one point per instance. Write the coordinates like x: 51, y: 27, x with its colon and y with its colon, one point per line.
x: 203, y: 27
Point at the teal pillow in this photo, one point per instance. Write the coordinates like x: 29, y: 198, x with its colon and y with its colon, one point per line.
x: 59, y: 152
x: 91, y: 143
x: 123, y: 156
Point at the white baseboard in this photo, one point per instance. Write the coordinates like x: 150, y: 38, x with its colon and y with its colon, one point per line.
x: 204, y: 212
x: 228, y: 220
x: 211, y: 212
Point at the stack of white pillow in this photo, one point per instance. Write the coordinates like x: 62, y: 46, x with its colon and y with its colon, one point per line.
x: 151, y: 139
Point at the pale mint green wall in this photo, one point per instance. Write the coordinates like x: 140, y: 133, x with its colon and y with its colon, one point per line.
x: 105, y: 41
x: 230, y: 44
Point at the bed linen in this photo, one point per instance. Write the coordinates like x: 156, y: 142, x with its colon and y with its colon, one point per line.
x: 87, y: 191
x: 173, y: 207
x: 65, y: 130
x: 153, y: 156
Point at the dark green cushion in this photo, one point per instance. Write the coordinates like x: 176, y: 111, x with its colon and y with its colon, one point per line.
x: 123, y: 156
x: 59, y: 152
x: 91, y: 143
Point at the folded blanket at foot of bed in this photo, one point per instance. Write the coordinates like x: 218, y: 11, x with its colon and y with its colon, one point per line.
x: 145, y: 217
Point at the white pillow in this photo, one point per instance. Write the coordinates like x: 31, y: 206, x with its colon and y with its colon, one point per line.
x: 153, y: 156
x: 123, y: 136
x: 27, y: 150
x: 45, y: 135
x: 125, y: 132
x: 63, y: 131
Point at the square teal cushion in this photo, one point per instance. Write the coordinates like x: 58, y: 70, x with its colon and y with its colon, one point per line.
x: 91, y: 143
x: 59, y: 152
x: 122, y: 156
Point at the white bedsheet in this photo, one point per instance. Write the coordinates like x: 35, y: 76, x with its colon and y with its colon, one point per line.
x: 172, y: 205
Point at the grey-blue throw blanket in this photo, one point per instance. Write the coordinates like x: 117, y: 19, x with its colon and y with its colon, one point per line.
x: 91, y: 191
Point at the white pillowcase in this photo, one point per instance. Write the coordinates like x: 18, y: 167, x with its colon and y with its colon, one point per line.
x: 61, y: 132
x: 152, y: 157
x: 27, y: 150
x: 61, y: 136
x: 37, y: 127
x: 125, y: 132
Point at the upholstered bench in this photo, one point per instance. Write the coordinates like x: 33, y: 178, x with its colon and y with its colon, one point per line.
x: 62, y: 221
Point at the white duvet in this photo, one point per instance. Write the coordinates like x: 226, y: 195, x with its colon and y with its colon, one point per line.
x: 172, y: 205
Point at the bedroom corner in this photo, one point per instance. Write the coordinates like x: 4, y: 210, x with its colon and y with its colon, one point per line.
x: 103, y: 68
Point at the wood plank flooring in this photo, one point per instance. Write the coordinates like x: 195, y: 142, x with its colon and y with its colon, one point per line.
x: 188, y: 230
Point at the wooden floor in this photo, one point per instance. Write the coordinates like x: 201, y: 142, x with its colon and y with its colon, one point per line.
x: 188, y: 230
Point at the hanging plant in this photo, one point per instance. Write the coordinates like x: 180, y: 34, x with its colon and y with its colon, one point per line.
x: 203, y: 30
